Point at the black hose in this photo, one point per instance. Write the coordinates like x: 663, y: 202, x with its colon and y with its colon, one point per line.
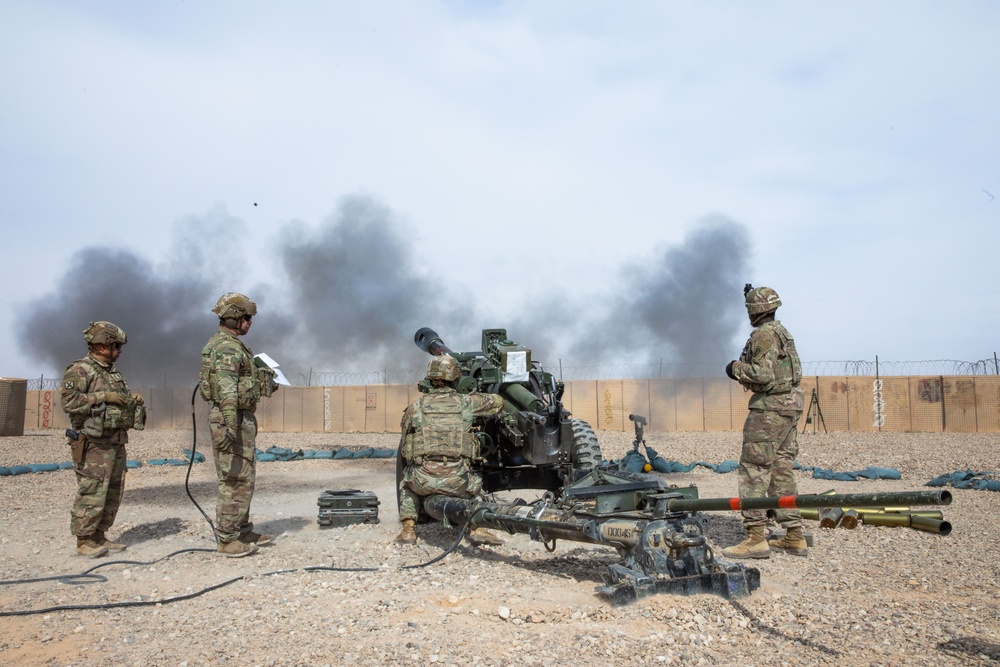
x: 187, y: 477
x: 86, y: 577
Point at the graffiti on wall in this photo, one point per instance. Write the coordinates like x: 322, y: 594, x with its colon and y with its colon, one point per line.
x: 878, y: 405
x: 327, y: 422
x: 45, y: 410
x: 930, y: 390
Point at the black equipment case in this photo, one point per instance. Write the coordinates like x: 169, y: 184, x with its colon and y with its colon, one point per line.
x: 347, y: 506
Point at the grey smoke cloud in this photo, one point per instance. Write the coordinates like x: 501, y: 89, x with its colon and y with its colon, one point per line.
x: 349, y: 293
x: 163, y: 308
x: 684, y: 305
x: 357, y: 293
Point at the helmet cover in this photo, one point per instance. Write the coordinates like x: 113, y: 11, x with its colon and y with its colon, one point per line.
x: 234, y: 305
x: 104, y: 332
x: 443, y: 367
x: 762, y: 300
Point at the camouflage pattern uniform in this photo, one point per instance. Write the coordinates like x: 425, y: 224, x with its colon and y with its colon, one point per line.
x: 103, y: 427
x: 769, y: 366
x: 233, y: 385
x: 438, y: 445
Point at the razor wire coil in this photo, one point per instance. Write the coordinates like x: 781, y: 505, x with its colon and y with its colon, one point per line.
x: 584, y: 372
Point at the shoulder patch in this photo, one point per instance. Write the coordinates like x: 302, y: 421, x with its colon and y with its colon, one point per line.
x: 68, y: 384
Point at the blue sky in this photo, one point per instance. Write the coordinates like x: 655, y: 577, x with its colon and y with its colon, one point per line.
x: 532, y: 160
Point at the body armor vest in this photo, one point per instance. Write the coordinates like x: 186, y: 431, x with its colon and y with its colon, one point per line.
x: 106, y: 419
x: 441, y: 426
x: 788, y: 371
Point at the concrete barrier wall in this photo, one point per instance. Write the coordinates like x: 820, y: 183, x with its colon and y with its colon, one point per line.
x: 956, y: 404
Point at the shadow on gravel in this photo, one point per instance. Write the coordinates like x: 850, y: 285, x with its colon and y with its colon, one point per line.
x: 960, y: 647
x: 580, y: 564
x: 725, y: 530
x: 292, y: 524
x: 154, y: 530
x: 173, y: 493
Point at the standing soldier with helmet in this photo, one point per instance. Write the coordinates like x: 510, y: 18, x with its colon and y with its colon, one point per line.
x: 438, y: 445
x: 101, y: 410
x: 233, y: 384
x: 769, y: 367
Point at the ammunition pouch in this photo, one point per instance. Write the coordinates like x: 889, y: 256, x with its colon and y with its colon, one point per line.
x: 106, y: 418
x: 265, y: 378
x: 457, y: 445
x: 78, y: 448
x: 93, y: 425
x: 139, y: 423
x: 247, y: 392
x: 119, y: 417
x: 205, y: 385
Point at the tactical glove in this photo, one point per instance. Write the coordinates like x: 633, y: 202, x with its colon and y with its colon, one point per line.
x: 230, y: 440
x: 138, y: 399
x: 729, y: 369
x: 114, y: 398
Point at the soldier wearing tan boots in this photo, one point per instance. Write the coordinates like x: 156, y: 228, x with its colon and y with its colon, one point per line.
x: 101, y: 410
x: 438, y: 445
x: 231, y: 382
x: 769, y: 367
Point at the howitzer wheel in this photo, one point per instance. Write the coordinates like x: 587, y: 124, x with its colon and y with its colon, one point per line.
x: 586, y: 450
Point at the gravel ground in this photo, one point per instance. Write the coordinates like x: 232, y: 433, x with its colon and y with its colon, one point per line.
x: 869, y: 596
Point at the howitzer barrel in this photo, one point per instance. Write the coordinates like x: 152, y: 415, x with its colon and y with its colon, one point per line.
x: 428, y: 340
x: 939, y: 497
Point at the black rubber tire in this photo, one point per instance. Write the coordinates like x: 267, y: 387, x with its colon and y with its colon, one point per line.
x: 586, y: 450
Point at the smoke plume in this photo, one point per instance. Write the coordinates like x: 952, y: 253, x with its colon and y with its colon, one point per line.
x: 348, y: 294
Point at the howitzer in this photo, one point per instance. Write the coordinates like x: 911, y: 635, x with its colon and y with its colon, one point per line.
x: 533, y: 443
x: 660, y: 532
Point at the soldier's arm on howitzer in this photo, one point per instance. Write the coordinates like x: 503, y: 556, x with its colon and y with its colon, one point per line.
x: 486, y: 405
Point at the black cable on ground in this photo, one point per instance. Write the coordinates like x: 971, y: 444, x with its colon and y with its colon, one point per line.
x: 187, y: 477
x: 87, y: 576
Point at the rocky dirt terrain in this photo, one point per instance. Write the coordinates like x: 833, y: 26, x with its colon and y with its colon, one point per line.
x: 869, y: 596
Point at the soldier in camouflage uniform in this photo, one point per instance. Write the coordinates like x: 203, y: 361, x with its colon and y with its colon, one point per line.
x: 101, y: 410
x: 438, y: 444
x: 769, y: 367
x: 233, y: 384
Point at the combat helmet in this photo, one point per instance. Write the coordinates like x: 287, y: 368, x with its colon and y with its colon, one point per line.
x: 104, y: 332
x: 762, y: 300
x: 443, y: 367
x: 232, y: 306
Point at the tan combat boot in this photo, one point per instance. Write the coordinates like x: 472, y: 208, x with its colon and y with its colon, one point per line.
x: 260, y: 539
x: 481, y: 536
x: 87, y: 547
x: 103, y: 541
x: 236, y: 549
x: 755, y: 546
x: 794, y: 542
x: 407, y: 535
